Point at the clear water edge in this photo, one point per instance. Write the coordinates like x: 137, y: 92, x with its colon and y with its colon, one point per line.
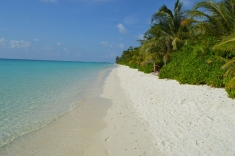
x: 85, y: 90
x: 42, y: 126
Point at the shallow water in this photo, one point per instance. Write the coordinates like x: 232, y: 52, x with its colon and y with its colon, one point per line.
x: 34, y: 93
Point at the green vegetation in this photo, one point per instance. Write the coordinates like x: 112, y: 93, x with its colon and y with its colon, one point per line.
x: 194, y: 46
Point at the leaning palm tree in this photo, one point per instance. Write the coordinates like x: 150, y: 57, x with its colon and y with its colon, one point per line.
x: 171, y: 24
x: 166, y: 33
x: 153, y: 48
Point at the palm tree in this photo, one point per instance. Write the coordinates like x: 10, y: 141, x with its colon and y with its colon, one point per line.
x: 216, y: 18
x: 136, y: 57
x: 153, y: 47
x: 166, y: 32
x: 171, y: 24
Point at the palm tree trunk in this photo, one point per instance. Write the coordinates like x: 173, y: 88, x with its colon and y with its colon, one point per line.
x: 168, y: 46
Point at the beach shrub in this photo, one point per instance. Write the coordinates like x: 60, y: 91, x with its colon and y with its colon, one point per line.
x: 230, y: 91
x: 133, y: 65
x: 193, y: 65
x: 215, y: 78
x: 146, y: 68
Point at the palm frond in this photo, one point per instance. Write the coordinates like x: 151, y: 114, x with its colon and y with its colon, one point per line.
x: 186, y: 22
x: 219, y: 14
x: 228, y: 44
x: 230, y: 67
x: 149, y: 46
x: 220, y: 59
x: 231, y: 84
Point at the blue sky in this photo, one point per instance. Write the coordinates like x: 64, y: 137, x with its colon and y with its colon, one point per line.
x: 74, y: 30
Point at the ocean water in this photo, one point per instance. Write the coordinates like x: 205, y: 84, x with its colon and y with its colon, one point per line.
x: 34, y: 93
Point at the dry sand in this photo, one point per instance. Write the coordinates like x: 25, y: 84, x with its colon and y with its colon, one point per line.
x: 152, y: 117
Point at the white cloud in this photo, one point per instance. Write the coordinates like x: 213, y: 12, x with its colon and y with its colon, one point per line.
x: 53, y: 1
x: 140, y: 36
x: 58, y: 43
x: 106, y: 44
x: 14, y: 43
x: 19, y: 44
x: 37, y: 40
x: 121, y: 46
x: 2, y: 41
x: 121, y: 28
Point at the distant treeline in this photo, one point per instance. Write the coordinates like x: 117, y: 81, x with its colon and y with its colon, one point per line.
x: 194, y: 46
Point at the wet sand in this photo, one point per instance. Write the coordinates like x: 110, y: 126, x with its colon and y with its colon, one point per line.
x: 69, y: 135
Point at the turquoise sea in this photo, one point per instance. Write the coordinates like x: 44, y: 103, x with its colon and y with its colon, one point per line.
x: 34, y: 93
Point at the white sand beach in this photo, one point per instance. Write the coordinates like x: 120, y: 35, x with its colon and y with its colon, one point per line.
x: 148, y: 117
x: 152, y: 116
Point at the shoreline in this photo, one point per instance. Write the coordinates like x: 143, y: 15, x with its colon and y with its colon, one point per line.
x: 126, y: 133
x: 132, y: 113
x: 70, y: 133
